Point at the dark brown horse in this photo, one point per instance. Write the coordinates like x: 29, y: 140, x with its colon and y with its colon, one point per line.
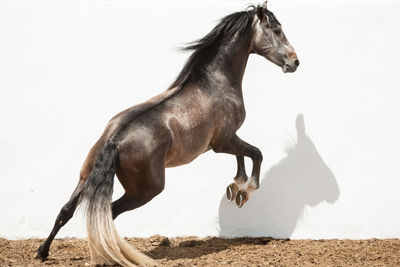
x: 202, y: 110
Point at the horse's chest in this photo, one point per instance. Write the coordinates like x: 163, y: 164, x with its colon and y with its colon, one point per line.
x: 231, y: 114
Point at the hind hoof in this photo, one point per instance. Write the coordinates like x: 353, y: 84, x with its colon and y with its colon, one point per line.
x: 231, y: 191
x: 241, y: 198
x: 40, y: 254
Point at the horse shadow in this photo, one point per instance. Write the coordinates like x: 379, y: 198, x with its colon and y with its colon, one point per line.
x: 300, y: 179
x: 194, y: 248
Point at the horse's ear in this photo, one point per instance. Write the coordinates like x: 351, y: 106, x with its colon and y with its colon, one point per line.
x: 260, y: 13
x: 264, y: 5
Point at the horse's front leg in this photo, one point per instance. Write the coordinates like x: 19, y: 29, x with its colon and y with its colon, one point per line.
x: 243, y: 187
x: 239, y: 180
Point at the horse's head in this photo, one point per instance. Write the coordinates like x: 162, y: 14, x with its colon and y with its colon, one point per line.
x: 270, y: 41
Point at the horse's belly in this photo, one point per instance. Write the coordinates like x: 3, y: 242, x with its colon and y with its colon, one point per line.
x: 182, y: 159
x: 188, y: 144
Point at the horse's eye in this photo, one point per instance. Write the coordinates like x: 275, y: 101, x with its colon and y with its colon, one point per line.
x: 278, y: 32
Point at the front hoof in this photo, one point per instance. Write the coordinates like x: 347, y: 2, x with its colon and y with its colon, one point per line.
x: 231, y: 191
x: 41, y: 254
x: 241, y: 198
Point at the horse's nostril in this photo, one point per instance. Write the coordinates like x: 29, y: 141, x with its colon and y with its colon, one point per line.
x: 297, y: 62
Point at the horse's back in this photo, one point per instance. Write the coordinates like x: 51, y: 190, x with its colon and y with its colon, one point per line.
x: 121, y: 123
x: 180, y: 127
x: 176, y: 127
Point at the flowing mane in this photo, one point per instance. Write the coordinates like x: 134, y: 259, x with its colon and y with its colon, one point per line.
x: 207, y: 47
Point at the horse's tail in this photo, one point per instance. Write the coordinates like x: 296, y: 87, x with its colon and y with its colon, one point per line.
x: 106, y: 246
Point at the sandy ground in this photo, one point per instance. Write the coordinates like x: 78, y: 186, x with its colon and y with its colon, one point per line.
x: 211, y: 251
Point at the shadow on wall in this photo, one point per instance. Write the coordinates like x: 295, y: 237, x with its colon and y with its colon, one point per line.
x: 301, y: 178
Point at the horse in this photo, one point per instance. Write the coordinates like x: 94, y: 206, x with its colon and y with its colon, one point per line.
x: 201, y: 110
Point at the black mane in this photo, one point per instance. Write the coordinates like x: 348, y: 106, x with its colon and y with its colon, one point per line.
x: 206, y: 48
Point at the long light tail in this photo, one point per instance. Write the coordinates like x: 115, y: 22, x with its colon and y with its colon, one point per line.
x: 106, y: 246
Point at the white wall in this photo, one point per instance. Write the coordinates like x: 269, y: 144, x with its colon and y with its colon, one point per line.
x: 66, y: 67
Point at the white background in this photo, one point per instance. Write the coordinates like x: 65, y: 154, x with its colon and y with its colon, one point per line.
x: 66, y: 67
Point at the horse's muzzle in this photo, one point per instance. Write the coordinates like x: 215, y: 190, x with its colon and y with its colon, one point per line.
x: 291, y: 66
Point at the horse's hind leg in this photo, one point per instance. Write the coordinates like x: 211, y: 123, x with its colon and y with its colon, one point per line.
x: 63, y: 217
x: 128, y: 202
x: 141, y: 184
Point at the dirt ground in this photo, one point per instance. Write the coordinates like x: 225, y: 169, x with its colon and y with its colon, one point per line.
x: 212, y: 251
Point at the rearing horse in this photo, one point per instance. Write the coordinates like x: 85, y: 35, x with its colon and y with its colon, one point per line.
x: 201, y: 110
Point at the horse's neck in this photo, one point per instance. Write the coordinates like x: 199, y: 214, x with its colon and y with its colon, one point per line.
x: 229, y: 65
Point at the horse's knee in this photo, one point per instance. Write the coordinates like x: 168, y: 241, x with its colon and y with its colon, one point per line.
x: 257, y: 155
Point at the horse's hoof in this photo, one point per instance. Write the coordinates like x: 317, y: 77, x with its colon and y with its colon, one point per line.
x: 40, y: 254
x: 231, y: 191
x: 241, y: 198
